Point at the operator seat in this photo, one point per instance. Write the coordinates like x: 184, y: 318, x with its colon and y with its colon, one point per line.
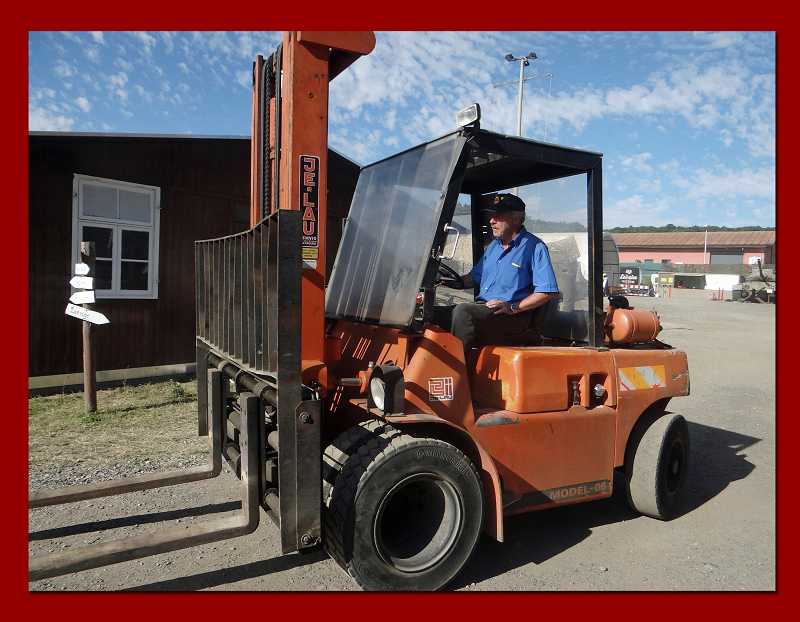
x: 532, y: 335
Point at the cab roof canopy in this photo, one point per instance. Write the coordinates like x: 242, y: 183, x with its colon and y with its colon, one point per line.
x: 500, y: 162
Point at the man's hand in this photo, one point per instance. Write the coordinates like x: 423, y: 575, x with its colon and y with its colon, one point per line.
x: 499, y: 307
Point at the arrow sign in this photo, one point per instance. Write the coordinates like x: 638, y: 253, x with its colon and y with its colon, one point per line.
x: 85, y: 314
x: 82, y: 298
x: 82, y: 282
x: 81, y: 269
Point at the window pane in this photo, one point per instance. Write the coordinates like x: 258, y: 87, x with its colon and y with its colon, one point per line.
x: 134, y: 275
x: 99, y: 201
x: 102, y: 238
x: 102, y: 274
x: 134, y: 206
x: 135, y: 244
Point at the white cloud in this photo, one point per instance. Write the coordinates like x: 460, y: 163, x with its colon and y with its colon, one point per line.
x: 123, y: 64
x: 245, y: 79
x: 119, y: 79
x: 42, y: 95
x: 117, y: 84
x: 636, y: 210
x: 147, y: 40
x: 168, y: 39
x: 42, y: 120
x: 97, y: 36
x: 63, y: 69
x: 638, y: 162
x: 92, y: 53
x: 143, y: 93
x: 406, y: 68
x: 72, y: 37
x: 83, y: 104
x: 184, y: 68
x: 717, y: 40
x: 729, y: 184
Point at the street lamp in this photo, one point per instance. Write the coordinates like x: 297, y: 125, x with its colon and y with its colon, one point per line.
x: 523, y: 61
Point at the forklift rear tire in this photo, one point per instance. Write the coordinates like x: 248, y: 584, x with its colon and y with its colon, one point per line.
x: 657, y: 468
x: 404, y: 513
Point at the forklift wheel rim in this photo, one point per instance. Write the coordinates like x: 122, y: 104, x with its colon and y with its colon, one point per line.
x: 675, y: 465
x: 396, y: 543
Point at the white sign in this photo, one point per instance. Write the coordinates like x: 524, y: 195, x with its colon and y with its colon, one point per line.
x: 85, y: 314
x: 81, y: 269
x: 82, y: 298
x: 82, y: 282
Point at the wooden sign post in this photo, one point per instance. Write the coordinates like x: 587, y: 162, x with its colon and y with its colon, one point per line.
x: 89, y: 380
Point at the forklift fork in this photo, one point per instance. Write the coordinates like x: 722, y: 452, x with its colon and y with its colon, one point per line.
x: 175, y: 538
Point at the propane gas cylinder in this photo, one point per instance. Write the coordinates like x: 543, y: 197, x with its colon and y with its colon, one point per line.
x: 631, y: 325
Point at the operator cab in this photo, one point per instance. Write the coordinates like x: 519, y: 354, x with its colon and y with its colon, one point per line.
x: 417, y: 217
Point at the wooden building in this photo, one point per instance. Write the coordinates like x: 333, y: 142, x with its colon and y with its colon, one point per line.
x: 144, y: 200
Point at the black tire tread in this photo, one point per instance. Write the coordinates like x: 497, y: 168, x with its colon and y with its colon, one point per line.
x: 337, y: 453
x: 642, y: 474
x: 366, y: 458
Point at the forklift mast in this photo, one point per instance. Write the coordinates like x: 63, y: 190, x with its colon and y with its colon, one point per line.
x: 289, y: 151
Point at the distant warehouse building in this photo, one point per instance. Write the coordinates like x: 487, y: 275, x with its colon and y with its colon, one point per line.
x: 687, y: 247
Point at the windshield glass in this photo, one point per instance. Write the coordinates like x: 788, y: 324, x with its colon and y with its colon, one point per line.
x: 389, y: 233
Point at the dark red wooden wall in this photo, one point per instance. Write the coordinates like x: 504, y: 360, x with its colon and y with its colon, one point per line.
x: 204, y: 193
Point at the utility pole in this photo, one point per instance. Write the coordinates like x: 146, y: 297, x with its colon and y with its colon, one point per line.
x: 705, y: 245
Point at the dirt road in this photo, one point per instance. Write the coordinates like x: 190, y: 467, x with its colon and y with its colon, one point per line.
x: 725, y: 542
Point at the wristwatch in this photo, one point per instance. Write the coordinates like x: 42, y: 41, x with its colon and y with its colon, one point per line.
x: 514, y: 307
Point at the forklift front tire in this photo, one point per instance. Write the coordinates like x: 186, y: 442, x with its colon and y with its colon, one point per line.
x: 404, y: 513
x: 657, y: 468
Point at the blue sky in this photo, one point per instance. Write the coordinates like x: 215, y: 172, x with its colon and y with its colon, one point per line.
x: 686, y: 121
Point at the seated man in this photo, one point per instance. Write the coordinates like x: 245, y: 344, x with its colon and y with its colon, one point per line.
x: 515, y: 277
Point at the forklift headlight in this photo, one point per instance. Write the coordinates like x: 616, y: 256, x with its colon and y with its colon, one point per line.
x: 469, y: 115
x: 377, y: 391
x: 387, y: 389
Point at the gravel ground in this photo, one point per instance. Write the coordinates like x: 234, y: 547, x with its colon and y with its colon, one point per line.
x: 726, y: 541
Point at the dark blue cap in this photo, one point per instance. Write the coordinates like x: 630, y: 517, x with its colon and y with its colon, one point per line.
x: 503, y: 203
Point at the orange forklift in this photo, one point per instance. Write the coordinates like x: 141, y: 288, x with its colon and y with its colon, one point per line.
x: 350, y: 416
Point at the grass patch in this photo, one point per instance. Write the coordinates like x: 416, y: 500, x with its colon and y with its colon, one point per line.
x: 153, y: 419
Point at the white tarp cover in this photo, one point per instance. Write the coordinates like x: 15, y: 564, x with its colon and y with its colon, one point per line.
x: 721, y: 281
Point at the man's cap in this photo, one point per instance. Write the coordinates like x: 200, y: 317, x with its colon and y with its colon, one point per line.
x: 503, y: 203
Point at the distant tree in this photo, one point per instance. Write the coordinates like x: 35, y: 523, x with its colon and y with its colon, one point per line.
x: 553, y: 226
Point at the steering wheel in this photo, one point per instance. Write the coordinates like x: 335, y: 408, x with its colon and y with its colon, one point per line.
x: 449, y: 275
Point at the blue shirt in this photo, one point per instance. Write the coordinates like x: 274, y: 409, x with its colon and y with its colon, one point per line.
x: 516, y: 272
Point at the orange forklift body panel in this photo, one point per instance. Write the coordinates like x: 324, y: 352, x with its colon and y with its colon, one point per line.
x: 533, y: 411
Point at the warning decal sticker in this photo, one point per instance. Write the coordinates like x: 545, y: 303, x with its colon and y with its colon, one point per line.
x: 440, y: 389
x: 637, y: 378
x: 309, y: 207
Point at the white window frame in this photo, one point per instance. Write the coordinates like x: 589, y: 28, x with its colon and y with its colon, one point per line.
x: 118, y: 225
